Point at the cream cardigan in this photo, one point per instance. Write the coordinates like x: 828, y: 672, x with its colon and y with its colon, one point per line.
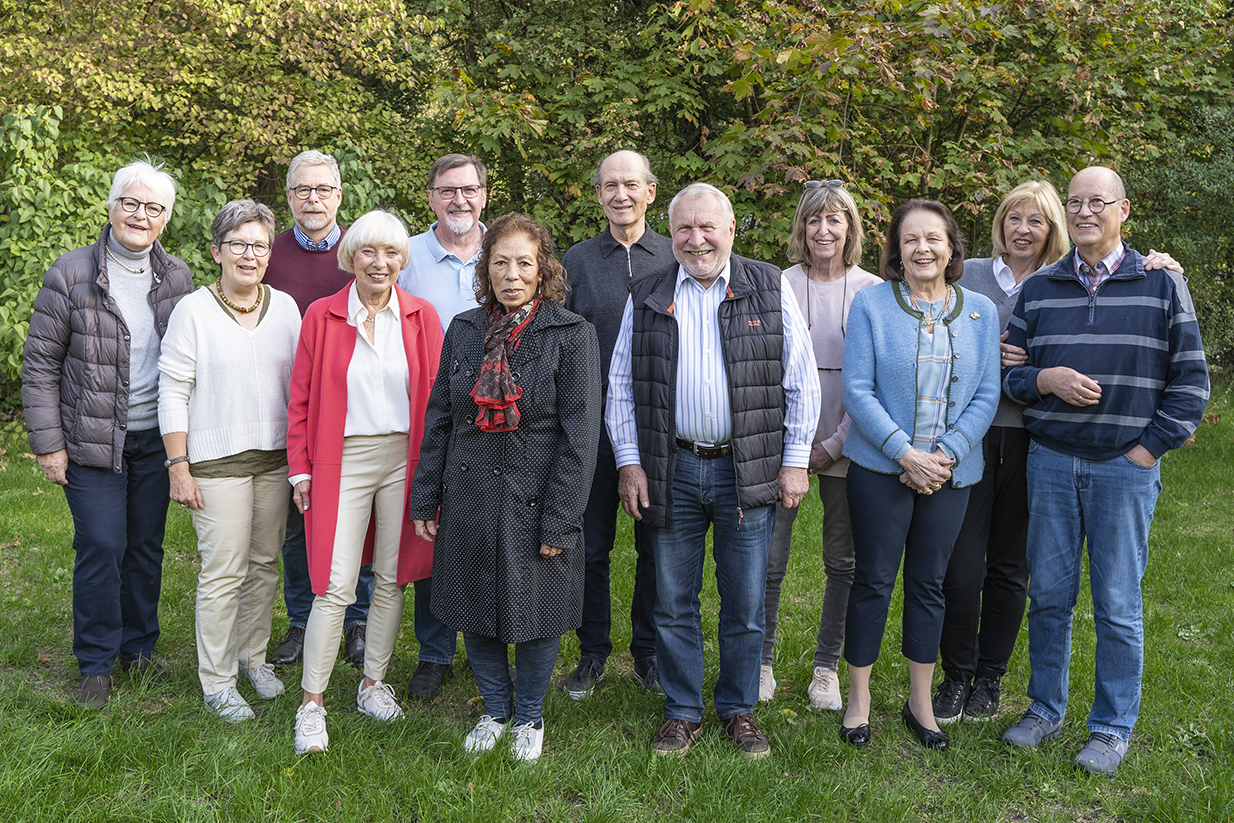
x: 225, y: 386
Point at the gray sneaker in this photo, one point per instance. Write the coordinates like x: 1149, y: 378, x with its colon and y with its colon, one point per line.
x: 1101, y: 754
x: 1031, y: 731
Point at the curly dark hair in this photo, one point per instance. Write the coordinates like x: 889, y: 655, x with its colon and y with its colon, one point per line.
x: 890, y: 266
x: 552, y: 274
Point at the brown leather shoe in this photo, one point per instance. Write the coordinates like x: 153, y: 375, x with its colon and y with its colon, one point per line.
x: 743, y: 731
x: 675, y: 736
x: 94, y: 691
x: 291, y: 649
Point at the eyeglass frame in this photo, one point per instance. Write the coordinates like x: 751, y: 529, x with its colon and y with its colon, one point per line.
x: 231, y: 246
x: 120, y: 201
x: 1079, y: 204
x: 309, y: 190
x: 818, y: 184
x: 440, y: 191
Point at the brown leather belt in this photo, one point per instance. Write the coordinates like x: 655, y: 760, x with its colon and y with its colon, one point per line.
x: 705, y: 452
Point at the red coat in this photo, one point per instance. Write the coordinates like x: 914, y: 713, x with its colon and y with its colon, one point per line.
x: 317, y: 415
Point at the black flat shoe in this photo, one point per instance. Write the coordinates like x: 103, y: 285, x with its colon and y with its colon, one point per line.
x: 926, y: 737
x: 856, y: 736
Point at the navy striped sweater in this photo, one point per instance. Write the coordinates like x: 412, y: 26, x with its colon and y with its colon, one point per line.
x: 1137, y: 337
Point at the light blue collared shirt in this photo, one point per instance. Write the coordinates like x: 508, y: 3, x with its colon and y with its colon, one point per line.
x: 703, y: 411
x: 308, y: 244
x: 436, y: 275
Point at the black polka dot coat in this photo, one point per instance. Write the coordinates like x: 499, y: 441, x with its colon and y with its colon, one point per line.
x: 502, y: 494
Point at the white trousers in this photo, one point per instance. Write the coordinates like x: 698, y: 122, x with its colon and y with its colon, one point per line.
x: 240, y: 530
x: 374, y: 471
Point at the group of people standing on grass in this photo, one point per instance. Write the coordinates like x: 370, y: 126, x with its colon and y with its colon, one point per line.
x: 462, y: 411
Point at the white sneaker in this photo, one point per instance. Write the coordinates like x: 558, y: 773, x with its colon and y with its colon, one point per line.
x: 377, y: 701
x: 265, y: 682
x: 766, y: 684
x: 825, y: 690
x: 229, y: 705
x: 484, y: 736
x: 528, y: 742
x: 311, y: 729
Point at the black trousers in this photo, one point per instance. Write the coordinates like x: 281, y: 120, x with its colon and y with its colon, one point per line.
x: 986, y: 585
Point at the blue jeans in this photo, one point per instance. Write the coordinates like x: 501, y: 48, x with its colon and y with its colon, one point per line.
x: 118, y: 523
x: 533, y: 660
x: 437, y: 641
x: 599, y: 532
x: 1108, y: 504
x: 705, y: 494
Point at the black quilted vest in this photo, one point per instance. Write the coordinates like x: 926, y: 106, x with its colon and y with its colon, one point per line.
x: 752, y: 337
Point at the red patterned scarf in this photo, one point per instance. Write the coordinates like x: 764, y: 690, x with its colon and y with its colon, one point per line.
x: 495, y: 390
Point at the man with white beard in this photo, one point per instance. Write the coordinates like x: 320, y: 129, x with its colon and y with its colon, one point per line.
x: 440, y: 269
x: 443, y: 259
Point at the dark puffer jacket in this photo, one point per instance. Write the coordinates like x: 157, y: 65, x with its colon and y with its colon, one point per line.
x: 75, y: 369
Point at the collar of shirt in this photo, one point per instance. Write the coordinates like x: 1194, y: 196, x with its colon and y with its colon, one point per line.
x: 1004, y: 278
x: 721, y: 281
x: 357, y: 313
x: 610, y: 244
x: 1110, y: 262
x: 307, y: 243
x: 438, y: 251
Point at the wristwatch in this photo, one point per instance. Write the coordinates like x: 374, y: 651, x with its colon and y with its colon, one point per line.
x: 167, y: 464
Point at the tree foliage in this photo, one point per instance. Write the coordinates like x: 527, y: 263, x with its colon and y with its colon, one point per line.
x: 958, y: 100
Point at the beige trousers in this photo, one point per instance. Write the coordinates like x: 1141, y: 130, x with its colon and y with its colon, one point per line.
x: 374, y: 471
x: 240, y: 530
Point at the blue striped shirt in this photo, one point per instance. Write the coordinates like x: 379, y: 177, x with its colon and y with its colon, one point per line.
x: 703, y: 412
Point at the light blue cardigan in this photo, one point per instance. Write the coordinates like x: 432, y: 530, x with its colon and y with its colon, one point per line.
x: 880, y: 379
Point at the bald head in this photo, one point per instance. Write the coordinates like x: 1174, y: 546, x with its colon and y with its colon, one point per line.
x: 1097, y: 207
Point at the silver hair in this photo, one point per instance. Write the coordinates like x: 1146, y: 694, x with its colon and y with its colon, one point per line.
x: 238, y: 212
x: 312, y: 157
x: 697, y: 190
x: 648, y: 176
x: 376, y: 228
x: 146, y: 173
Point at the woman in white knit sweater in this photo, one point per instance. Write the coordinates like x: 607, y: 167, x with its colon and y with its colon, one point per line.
x: 225, y: 371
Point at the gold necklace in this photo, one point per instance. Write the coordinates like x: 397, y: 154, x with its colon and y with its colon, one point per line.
x: 121, y: 264
x: 929, y: 319
x: 218, y: 284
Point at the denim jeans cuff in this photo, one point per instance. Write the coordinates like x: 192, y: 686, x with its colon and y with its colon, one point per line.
x: 441, y: 661
x: 697, y: 718
x: 1041, y: 711
x: 352, y: 623
x: 1122, y: 734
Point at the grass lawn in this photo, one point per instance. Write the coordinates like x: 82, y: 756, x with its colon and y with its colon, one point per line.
x: 157, y: 755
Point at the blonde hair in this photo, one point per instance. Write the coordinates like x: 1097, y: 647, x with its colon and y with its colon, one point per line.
x: 825, y: 200
x: 1044, y: 196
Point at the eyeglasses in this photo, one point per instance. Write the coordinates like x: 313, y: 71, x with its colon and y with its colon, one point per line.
x: 448, y: 192
x: 239, y: 247
x: 130, y: 204
x: 818, y: 184
x: 303, y: 192
x: 1096, y: 205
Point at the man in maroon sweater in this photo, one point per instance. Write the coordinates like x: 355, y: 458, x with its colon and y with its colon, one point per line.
x: 304, y: 263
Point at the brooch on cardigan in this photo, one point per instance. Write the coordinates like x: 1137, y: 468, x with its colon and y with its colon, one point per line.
x: 975, y: 316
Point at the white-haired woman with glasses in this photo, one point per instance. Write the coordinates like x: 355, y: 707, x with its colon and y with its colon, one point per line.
x: 825, y: 248
x: 226, y: 369
x: 359, y: 390
x: 90, y: 390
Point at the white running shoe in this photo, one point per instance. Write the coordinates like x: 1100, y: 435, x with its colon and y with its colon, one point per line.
x: 766, y: 684
x: 825, y: 690
x: 528, y: 742
x: 377, y: 701
x: 265, y: 681
x: 229, y: 705
x: 311, y: 729
x: 484, y: 736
